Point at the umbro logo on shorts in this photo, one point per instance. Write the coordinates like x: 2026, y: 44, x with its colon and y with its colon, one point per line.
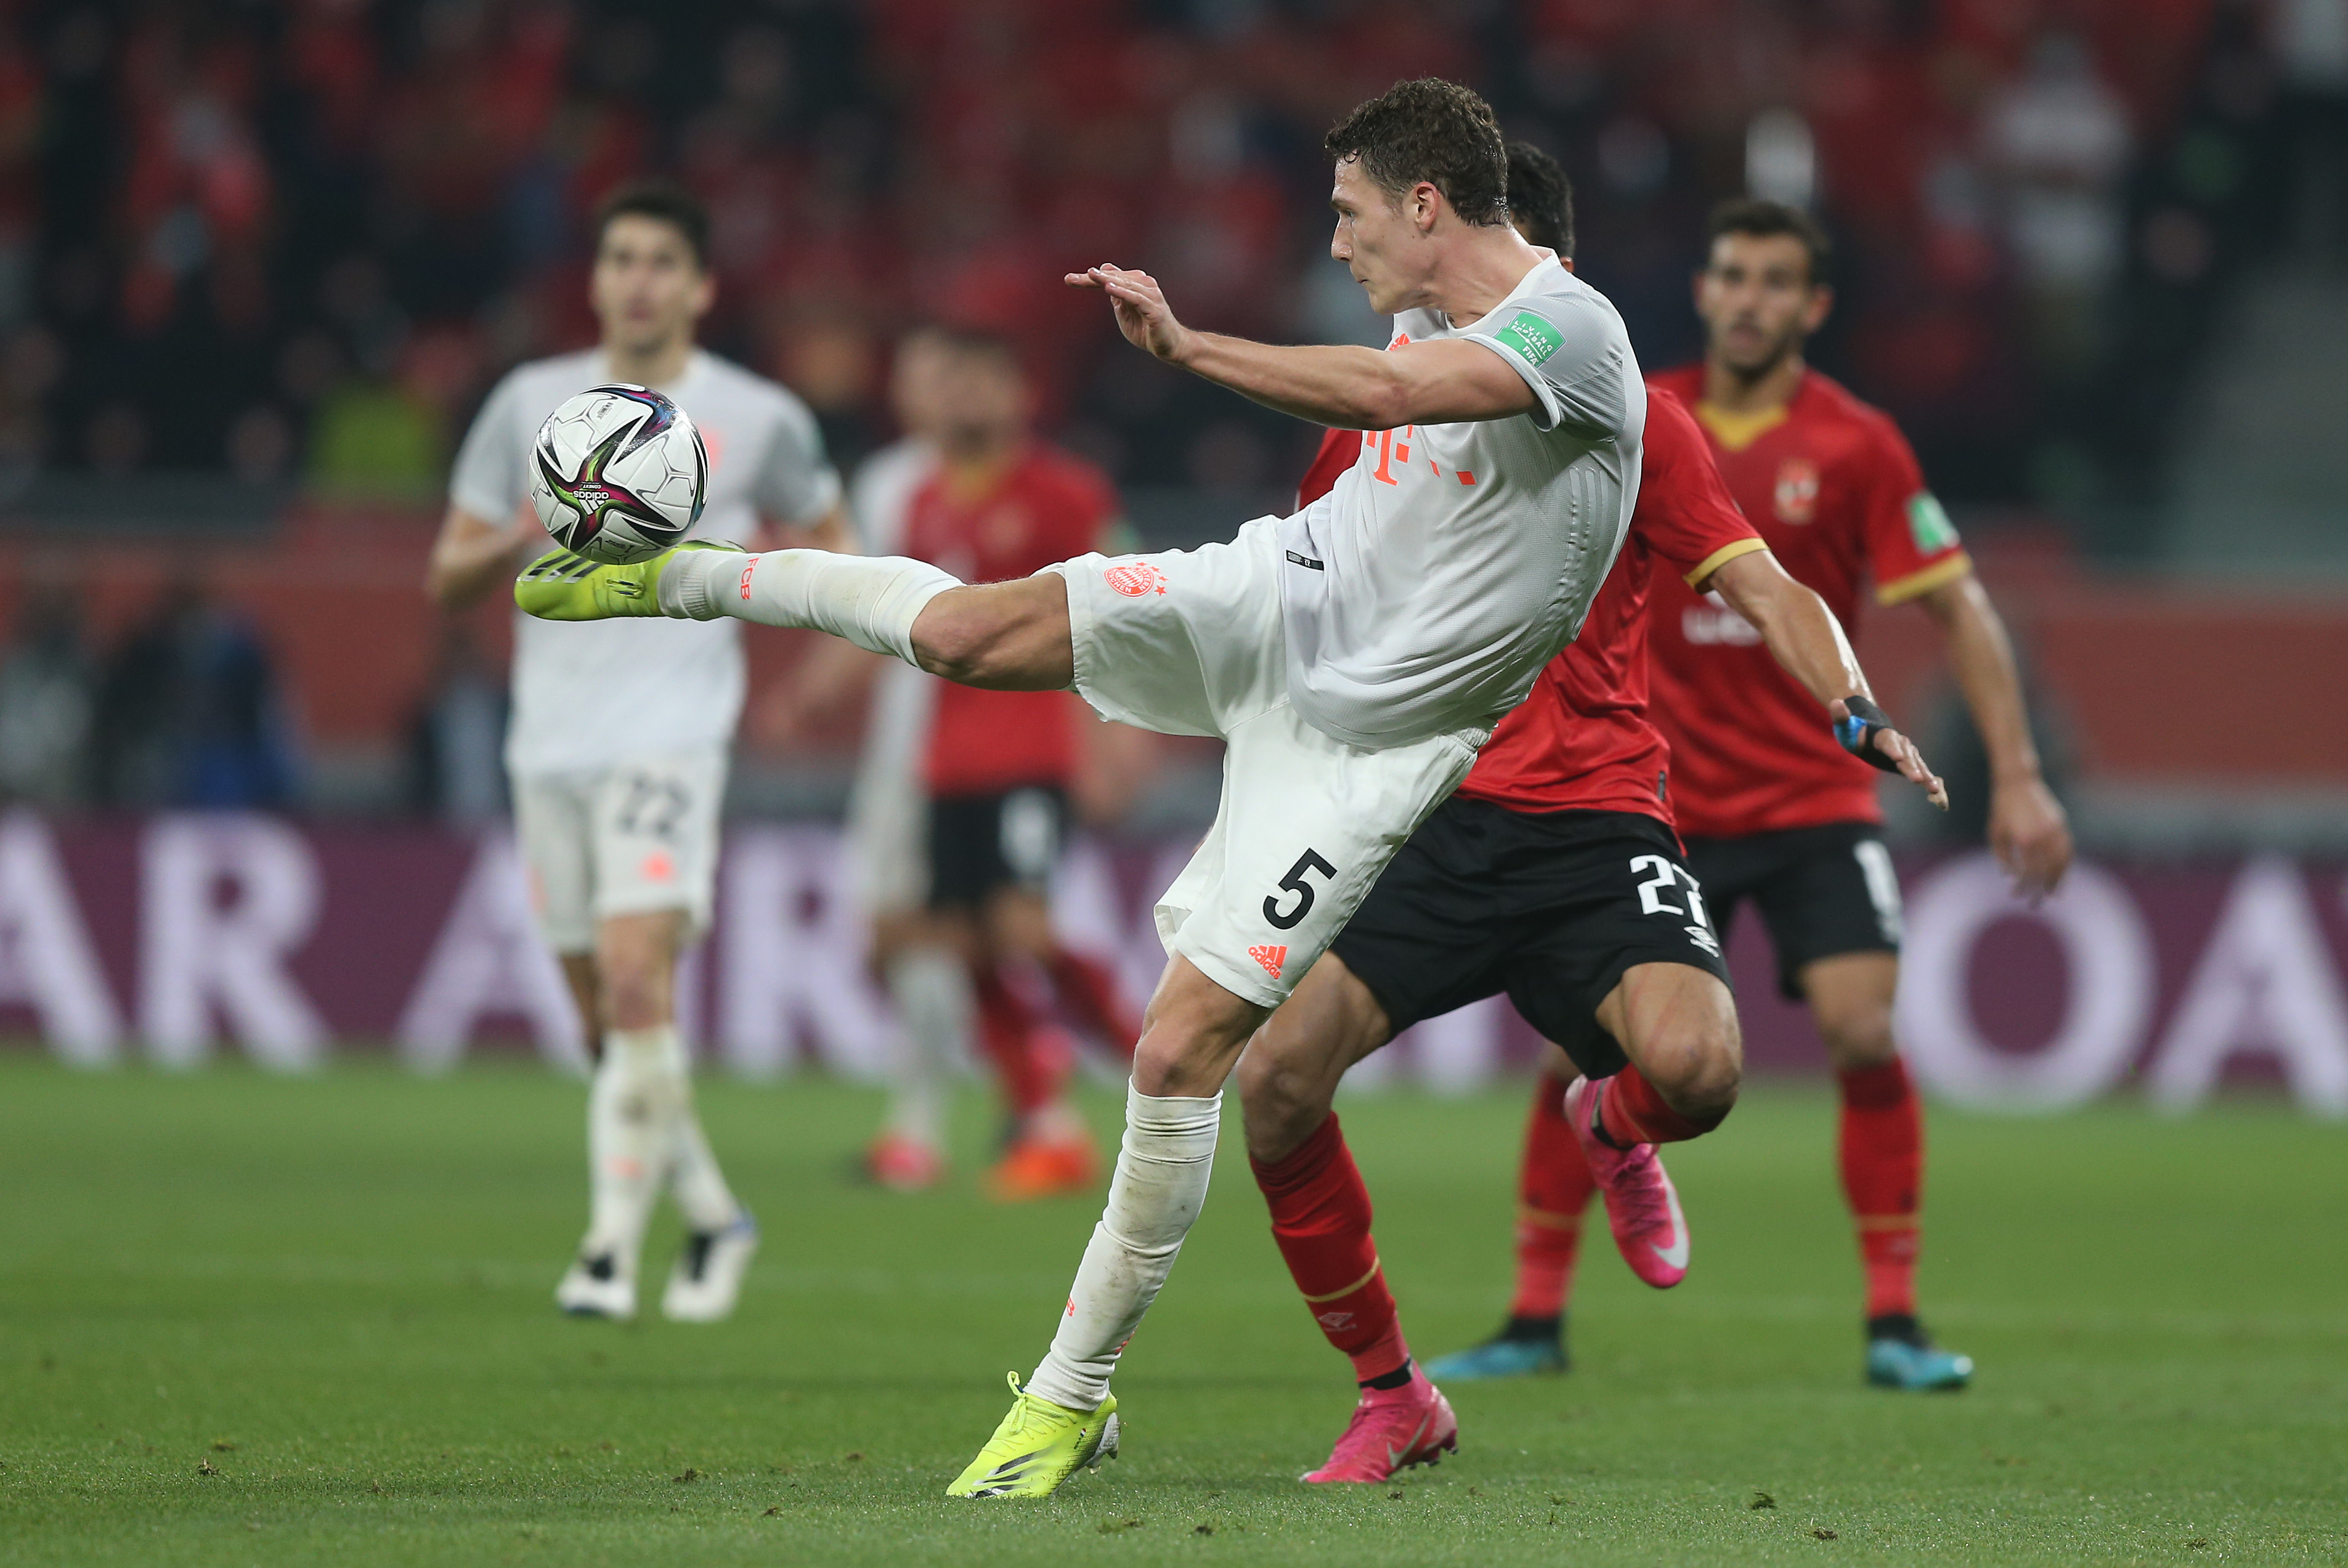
x: 1136, y: 580
x: 1272, y: 958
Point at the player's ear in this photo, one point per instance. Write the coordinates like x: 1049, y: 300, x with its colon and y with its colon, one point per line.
x: 704, y: 292
x: 1426, y: 205
x: 1813, y: 314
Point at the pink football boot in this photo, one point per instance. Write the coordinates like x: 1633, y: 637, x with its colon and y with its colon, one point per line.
x: 1641, y: 1204
x: 1392, y: 1430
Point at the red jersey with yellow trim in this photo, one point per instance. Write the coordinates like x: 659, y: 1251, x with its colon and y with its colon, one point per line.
x: 1043, y: 507
x: 1582, y: 742
x: 1836, y: 492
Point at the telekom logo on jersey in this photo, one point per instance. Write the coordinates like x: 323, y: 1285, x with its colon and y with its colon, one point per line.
x: 1392, y: 446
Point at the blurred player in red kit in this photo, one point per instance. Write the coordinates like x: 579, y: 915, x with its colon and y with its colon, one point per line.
x: 1553, y: 876
x: 1771, y: 807
x: 1001, y: 505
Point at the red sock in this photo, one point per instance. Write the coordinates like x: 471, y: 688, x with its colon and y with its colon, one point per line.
x: 1633, y: 1112
x: 1032, y: 1061
x: 1883, y: 1177
x: 1089, y: 994
x: 1553, y: 1188
x: 1321, y: 1218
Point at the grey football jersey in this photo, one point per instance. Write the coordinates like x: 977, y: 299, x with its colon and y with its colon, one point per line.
x: 1424, y: 592
x: 590, y: 695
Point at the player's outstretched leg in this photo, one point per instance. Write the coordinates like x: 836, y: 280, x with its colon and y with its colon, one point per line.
x: 1553, y: 1190
x: 1172, y: 1115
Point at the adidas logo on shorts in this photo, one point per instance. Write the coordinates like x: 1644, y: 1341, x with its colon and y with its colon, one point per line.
x: 1272, y: 958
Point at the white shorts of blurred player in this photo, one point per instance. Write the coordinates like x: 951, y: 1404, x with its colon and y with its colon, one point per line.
x: 888, y: 808
x: 1190, y: 642
x: 633, y: 838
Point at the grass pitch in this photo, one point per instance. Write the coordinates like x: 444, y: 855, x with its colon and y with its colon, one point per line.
x: 251, y: 1320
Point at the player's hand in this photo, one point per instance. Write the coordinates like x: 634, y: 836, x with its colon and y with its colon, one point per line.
x: 1142, y: 312
x: 2030, y: 835
x: 1900, y: 753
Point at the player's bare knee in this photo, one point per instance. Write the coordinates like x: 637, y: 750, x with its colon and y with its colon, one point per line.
x: 1282, y: 1100
x: 1697, y: 1065
x: 1857, y: 1037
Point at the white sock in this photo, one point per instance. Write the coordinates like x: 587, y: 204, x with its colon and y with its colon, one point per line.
x: 871, y: 600
x: 931, y: 989
x: 698, y: 1185
x: 1155, y: 1197
x: 632, y: 1108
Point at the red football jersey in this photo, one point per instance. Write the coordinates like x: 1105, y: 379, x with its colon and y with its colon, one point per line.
x: 1834, y: 488
x: 1044, y: 507
x: 1581, y: 740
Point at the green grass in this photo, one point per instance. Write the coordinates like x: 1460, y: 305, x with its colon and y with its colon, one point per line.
x: 334, y: 1293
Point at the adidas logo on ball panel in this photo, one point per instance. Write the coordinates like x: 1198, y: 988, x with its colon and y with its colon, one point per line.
x: 621, y: 473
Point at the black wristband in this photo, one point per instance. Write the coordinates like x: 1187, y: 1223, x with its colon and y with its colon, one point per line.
x: 1857, y: 733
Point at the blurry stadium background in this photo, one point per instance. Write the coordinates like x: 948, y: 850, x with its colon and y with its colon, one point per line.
x: 259, y: 263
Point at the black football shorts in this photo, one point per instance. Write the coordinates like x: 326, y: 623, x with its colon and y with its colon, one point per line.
x: 1007, y: 838
x: 1551, y: 908
x: 1823, y: 892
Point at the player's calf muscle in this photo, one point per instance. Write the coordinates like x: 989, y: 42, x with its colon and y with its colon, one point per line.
x: 1004, y: 636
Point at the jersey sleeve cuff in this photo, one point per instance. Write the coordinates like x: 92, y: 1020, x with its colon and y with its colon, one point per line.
x: 1722, y: 557
x: 1546, y: 411
x: 1899, y: 590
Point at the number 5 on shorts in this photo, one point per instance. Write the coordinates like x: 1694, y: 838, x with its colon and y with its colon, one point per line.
x: 1295, y: 882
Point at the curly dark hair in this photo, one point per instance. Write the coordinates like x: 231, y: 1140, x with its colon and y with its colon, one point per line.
x: 1747, y: 215
x: 1434, y: 131
x: 664, y: 201
x: 1540, y: 197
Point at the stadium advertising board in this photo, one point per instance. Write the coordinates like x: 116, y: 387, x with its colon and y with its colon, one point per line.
x: 182, y: 935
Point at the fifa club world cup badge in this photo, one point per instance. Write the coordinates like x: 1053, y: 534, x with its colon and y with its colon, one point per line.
x: 1797, y: 490
x: 1136, y: 580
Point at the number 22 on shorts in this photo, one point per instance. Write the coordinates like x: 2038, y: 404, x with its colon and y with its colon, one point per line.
x: 1667, y: 878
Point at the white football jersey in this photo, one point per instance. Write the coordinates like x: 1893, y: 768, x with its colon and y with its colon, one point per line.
x: 589, y: 695
x: 1424, y: 592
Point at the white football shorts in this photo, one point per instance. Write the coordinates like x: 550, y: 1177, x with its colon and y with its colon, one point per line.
x: 631, y: 839
x: 1189, y: 642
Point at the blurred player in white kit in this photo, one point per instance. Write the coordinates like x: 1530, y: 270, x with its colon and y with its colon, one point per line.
x: 618, y: 823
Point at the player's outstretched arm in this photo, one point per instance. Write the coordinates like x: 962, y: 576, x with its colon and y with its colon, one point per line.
x: 2028, y: 831
x: 472, y: 557
x: 1353, y: 388
x: 1806, y: 638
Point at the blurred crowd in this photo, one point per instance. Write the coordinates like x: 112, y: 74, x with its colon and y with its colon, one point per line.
x: 183, y: 710
x: 301, y: 240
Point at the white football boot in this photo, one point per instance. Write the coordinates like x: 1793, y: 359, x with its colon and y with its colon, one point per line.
x: 595, y: 1287
x: 708, y: 1278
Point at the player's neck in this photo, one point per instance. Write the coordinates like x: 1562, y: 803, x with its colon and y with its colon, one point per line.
x: 1484, y: 267
x: 975, y: 469
x: 1765, y: 391
x: 660, y: 366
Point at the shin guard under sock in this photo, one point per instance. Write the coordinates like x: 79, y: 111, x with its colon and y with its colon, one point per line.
x: 1321, y: 1220
x: 1153, y: 1200
x: 1882, y: 1157
x: 1553, y: 1191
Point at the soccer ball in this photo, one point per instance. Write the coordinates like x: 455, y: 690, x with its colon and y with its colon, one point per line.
x: 620, y: 473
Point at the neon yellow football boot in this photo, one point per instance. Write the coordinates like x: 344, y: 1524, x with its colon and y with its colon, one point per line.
x: 1038, y: 1446
x: 562, y: 585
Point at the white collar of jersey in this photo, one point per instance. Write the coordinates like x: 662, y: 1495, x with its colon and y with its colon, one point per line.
x: 1535, y: 281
